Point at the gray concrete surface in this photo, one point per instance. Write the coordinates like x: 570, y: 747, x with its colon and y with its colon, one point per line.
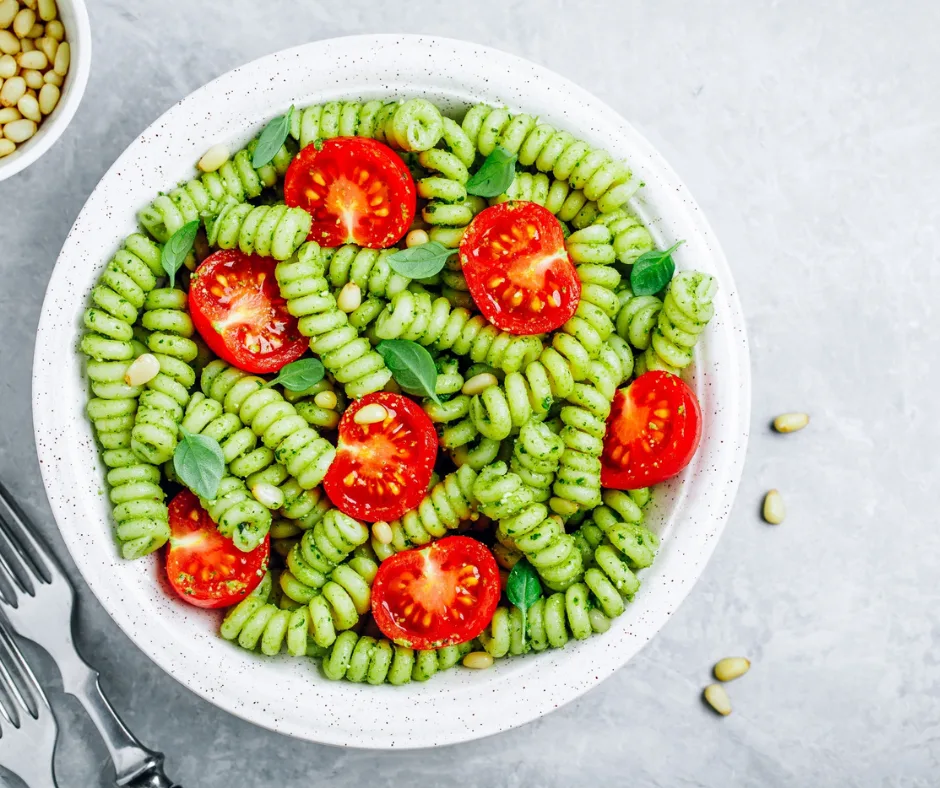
x: 808, y: 132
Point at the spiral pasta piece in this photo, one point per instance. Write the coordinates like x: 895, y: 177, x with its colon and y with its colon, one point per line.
x: 527, y: 526
x: 630, y: 238
x: 349, y: 357
x: 359, y: 658
x: 535, y: 458
x: 156, y: 424
x: 449, y: 503
x: 318, y: 552
x: 345, y: 597
x: 257, y: 621
x: 268, y: 230
x: 569, y: 205
x: 592, y: 170
x: 237, y: 515
x: 435, y: 323
x: 687, y: 308
x: 367, y: 268
x: 316, y: 411
x: 235, y: 181
x: 413, y: 125
x: 637, y: 318
x: 290, y: 440
x: 620, y: 518
x: 592, y: 322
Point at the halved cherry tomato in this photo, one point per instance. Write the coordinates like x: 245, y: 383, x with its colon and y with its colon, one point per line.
x: 382, y: 470
x: 237, y: 309
x: 204, y: 567
x: 440, y: 595
x: 357, y: 190
x: 518, y: 270
x: 654, y: 428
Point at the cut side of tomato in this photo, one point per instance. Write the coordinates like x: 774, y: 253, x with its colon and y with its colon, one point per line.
x: 357, y: 190
x: 518, y: 270
x: 382, y: 469
x: 204, y: 567
x: 654, y: 428
x: 236, y: 307
x: 441, y: 595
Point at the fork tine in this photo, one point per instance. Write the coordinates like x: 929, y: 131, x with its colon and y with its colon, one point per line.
x: 11, y: 658
x: 18, y: 530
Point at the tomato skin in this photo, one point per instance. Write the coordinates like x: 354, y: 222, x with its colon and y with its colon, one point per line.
x: 266, y: 337
x: 206, y: 569
x: 453, y: 581
x: 382, y: 470
x: 655, y: 399
x: 337, y: 182
x: 517, y: 268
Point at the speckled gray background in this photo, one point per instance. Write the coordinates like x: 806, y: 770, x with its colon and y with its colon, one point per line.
x: 809, y: 136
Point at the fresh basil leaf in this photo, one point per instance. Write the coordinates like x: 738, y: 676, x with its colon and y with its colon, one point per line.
x: 271, y: 139
x: 420, y: 262
x: 300, y: 375
x: 495, y: 174
x: 523, y: 588
x: 199, y: 463
x: 653, y: 270
x: 175, y: 250
x: 411, y: 366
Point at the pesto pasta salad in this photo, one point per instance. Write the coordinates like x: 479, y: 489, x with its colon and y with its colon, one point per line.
x: 392, y: 387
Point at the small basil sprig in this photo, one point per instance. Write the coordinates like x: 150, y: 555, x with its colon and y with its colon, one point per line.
x: 653, y: 270
x: 175, y: 250
x: 199, y: 463
x: 299, y: 375
x: 271, y: 139
x: 495, y: 174
x: 523, y: 588
x: 420, y: 262
x: 411, y: 366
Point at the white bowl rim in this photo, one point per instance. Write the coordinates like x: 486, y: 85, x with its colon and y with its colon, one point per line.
x: 52, y: 128
x: 455, y: 706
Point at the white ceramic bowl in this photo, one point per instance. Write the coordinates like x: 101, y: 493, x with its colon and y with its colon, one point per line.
x: 286, y: 694
x: 74, y: 18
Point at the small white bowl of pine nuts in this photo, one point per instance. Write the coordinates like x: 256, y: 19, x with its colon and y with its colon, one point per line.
x: 45, y: 57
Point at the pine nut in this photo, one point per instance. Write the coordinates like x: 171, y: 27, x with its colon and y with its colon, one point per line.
x: 372, y: 413
x: 349, y: 298
x: 63, y: 57
x: 8, y: 66
x: 9, y: 114
x: 213, y: 158
x: 142, y: 370
x: 9, y: 43
x: 791, y: 422
x: 6, y: 147
x: 48, y: 98
x: 55, y: 29
x: 47, y: 10
x: 382, y: 532
x: 774, y: 511
x: 36, y: 31
x: 30, y: 108
x: 33, y: 79
x: 268, y: 495
x: 599, y: 622
x: 35, y: 59
x: 478, y: 384
x: 8, y: 11
x: 26, y: 45
x: 478, y: 660
x: 416, y: 238
x: 51, y: 78
x: 12, y: 91
x: 717, y: 698
x: 325, y: 399
x: 731, y: 668
x: 23, y: 22
x: 48, y: 46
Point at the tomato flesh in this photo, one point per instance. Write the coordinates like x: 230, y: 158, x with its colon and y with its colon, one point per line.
x: 204, y: 568
x: 654, y: 428
x: 236, y: 307
x: 518, y: 270
x: 357, y: 190
x: 440, y: 595
x: 382, y: 469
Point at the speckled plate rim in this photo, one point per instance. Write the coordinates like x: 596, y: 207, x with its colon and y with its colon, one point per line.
x: 289, y: 695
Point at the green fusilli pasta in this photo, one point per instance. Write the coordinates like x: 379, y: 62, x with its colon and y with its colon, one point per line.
x: 269, y: 230
x: 345, y: 597
x: 239, y: 517
x: 569, y: 205
x: 362, y: 658
x: 637, y: 318
x: 367, y: 268
x: 630, y: 238
x: 257, y: 622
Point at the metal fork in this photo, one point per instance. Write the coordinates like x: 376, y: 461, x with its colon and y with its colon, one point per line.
x: 39, y: 601
x: 27, y: 724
